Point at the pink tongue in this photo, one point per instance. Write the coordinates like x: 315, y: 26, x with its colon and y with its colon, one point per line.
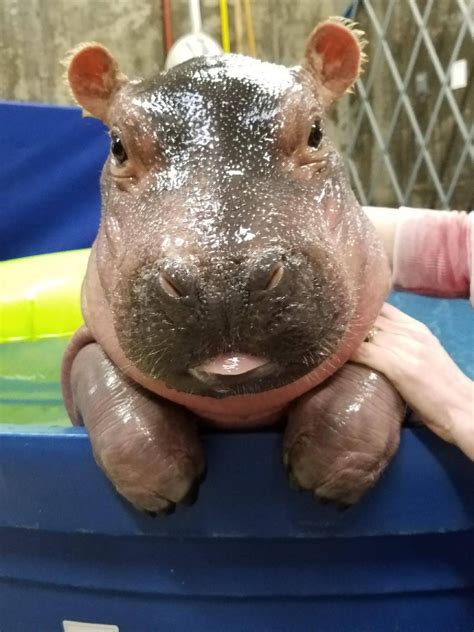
x: 232, y: 364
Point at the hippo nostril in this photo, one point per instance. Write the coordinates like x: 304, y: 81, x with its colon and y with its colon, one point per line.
x: 267, y: 272
x: 168, y: 286
x: 178, y: 279
x: 276, y: 276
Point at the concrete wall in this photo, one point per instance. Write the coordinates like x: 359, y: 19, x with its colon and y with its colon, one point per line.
x: 35, y: 35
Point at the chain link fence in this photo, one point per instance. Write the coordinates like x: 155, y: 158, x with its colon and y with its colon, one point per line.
x: 409, y: 125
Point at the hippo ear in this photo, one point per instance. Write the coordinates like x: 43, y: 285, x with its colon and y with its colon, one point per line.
x: 94, y: 77
x: 334, y: 54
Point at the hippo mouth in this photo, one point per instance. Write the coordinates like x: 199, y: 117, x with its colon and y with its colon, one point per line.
x: 233, y: 369
x: 232, y: 345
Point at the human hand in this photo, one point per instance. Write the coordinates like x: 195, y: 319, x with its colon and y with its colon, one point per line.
x: 413, y: 359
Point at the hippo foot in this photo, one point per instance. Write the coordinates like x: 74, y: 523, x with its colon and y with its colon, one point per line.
x: 342, y: 435
x: 154, y: 488
x: 148, y: 448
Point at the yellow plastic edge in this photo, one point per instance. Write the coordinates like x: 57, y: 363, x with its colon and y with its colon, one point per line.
x: 40, y: 295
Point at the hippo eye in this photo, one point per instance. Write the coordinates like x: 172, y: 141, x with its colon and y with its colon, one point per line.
x: 315, y: 135
x: 118, y: 151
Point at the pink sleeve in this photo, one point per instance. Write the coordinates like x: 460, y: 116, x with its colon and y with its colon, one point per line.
x: 434, y: 253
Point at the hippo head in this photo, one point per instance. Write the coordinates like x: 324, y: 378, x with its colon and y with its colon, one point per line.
x: 232, y: 256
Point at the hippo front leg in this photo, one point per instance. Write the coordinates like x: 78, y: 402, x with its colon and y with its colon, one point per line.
x: 341, y: 436
x: 147, y: 447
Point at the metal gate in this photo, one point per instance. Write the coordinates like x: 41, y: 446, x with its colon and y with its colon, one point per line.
x: 409, y: 125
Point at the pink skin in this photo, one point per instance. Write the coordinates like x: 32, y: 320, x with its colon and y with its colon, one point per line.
x: 231, y: 246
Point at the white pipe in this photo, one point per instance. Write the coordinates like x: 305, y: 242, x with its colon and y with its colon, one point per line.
x: 195, y: 16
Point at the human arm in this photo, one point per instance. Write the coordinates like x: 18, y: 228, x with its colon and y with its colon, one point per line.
x: 430, y: 252
x: 412, y: 358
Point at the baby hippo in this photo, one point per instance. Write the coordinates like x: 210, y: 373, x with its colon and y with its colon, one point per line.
x: 233, y: 275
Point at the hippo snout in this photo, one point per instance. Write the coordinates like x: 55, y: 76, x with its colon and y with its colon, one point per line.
x: 178, y: 278
x: 251, y: 320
